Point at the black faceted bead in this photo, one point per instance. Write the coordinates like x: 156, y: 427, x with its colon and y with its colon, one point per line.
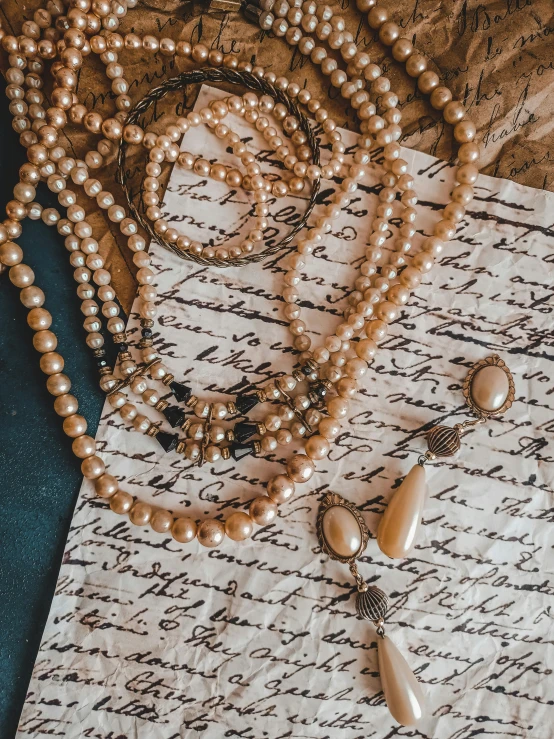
x: 238, y: 451
x: 122, y: 347
x: 174, y: 415
x: 319, y: 389
x: 101, y: 363
x: 245, y: 403
x: 244, y: 431
x: 306, y: 370
x: 147, y: 333
x: 181, y: 392
x: 168, y: 442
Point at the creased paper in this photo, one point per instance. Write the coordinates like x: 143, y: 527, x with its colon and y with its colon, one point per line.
x: 495, y: 56
x: 150, y: 638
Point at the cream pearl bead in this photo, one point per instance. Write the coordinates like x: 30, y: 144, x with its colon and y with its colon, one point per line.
x: 468, y: 153
x: 337, y: 407
x: 51, y: 363
x: 58, y: 384
x: 427, y: 82
x: 317, y: 447
x: 453, y: 112
x: 239, y: 526
x: 121, y: 502
x: 74, y: 426
x: 366, y: 349
x: 66, y: 405
x: 402, y: 49
x: 263, y: 510
x: 92, y: 467
x: 140, y: 513
x: 440, y: 97
x: 83, y: 446
x: 280, y: 489
x: 211, y: 533
x: 464, y: 131
x: 106, y: 486
x: 300, y: 468
x: 161, y: 521
x: 184, y: 530
x: 467, y: 174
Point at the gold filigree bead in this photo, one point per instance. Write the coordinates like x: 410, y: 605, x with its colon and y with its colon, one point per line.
x: 120, y: 338
x: 181, y: 446
x: 261, y: 395
x: 443, y: 441
x: 104, y: 371
x: 124, y: 356
x: 225, y: 453
x: 231, y: 408
x: 186, y: 424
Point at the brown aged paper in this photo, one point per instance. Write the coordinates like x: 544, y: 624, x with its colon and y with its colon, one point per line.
x: 496, y: 56
x: 147, y: 638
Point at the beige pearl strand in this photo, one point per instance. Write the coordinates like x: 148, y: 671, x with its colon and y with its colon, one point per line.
x: 303, y: 473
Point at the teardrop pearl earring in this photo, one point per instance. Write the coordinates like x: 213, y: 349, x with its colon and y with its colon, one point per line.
x: 489, y: 392
x: 343, y: 535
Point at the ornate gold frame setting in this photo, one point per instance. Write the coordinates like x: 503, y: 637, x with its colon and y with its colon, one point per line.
x: 496, y: 361
x: 329, y: 501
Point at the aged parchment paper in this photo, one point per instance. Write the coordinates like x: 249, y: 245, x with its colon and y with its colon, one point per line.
x: 495, y: 55
x: 148, y: 638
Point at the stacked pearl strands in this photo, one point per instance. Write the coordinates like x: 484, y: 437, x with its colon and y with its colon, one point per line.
x: 65, y: 36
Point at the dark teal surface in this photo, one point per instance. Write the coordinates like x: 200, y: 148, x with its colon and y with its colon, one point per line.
x: 39, y: 477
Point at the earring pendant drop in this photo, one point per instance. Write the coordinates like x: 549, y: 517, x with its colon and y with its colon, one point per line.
x: 489, y: 392
x: 343, y: 536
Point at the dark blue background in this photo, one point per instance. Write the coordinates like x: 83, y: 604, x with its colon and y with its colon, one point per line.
x: 39, y: 476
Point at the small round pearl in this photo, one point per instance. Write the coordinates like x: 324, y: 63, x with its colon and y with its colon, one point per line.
x: 140, y: 513
x: 161, y: 521
x: 300, y: 468
x: 280, y: 488
x: 92, y: 467
x: 106, y: 486
x: 84, y: 446
x: 121, y: 502
x: 211, y: 533
x: 263, y: 510
x: 317, y: 447
x: 184, y: 529
x: 239, y: 526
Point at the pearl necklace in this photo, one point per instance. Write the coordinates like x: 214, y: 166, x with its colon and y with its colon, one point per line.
x: 374, y: 298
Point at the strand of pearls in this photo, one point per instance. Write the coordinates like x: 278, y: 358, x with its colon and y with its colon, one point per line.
x: 41, y: 140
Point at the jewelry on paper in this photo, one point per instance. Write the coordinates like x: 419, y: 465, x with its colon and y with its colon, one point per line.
x: 57, y: 43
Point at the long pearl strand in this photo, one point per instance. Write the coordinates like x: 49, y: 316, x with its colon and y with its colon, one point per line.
x: 301, y: 465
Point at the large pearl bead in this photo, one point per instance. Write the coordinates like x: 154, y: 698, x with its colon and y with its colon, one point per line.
x: 489, y: 388
x: 239, y: 526
x: 400, y: 523
x: 211, y: 533
x: 403, y: 693
x: 184, y: 529
x: 300, y: 468
x: 280, y: 488
x: 341, y: 531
